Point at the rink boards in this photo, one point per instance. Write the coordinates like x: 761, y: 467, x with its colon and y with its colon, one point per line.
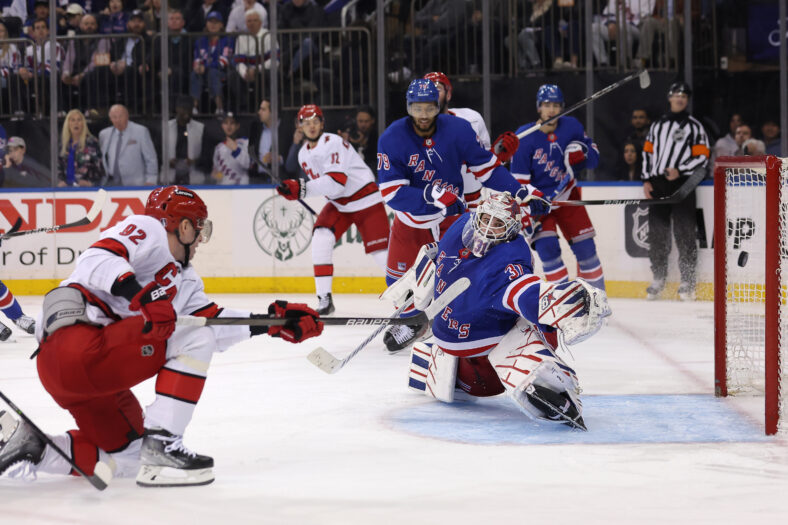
x: 261, y: 242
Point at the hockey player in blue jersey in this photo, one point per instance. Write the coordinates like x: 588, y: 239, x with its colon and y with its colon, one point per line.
x: 420, y: 159
x: 548, y: 160
x: 500, y: 334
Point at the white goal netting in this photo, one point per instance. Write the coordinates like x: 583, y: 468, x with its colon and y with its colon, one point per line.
x: 745, y: 272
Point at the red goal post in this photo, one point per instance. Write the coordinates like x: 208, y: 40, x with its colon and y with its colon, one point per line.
x: 750, y: 282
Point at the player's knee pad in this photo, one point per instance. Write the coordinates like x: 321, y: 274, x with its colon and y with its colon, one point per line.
x: 433, y: 372
x: 323, y: 241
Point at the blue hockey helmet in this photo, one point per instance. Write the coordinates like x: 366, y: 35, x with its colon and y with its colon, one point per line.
x: 422, y: 90
x: 549, y: 93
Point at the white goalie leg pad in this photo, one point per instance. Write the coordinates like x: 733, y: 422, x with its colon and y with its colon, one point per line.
x: 522, y: 359
x: 576, y: 308
x: 418, y: 280
x: 433, y: 372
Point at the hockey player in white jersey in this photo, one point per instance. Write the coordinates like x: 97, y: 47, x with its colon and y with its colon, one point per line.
x: 504, y: 146
x: 111, y: 325
x: 500, y: 334
x: 336, y: 171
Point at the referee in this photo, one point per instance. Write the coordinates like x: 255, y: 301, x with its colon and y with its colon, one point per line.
x: 676, y: 146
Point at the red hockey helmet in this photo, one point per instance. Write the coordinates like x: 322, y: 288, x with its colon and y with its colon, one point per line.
x: 310, y: 111
x: 437, y: 76
x: 171, y: 204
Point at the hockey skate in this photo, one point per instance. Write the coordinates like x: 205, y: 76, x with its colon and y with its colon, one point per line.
x: 654, y: 289
x: 556, y: 407
x: 166, y: 462
x: 26, y: 323
x: 5, y: 332
x: 401, y: 336
x: 20, y: 448
x: 686, y: 291
x: 325, y: 304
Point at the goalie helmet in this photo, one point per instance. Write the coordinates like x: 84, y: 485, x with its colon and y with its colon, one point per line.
x: 171, y: 204
x: 437, y: 76
x: 549, y: 93
x: 496, y: 220
x: 309, y: 111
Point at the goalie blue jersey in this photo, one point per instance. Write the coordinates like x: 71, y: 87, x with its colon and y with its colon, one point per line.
x: 503, y: 289
x: 540, y: 158
x: 407, y: 163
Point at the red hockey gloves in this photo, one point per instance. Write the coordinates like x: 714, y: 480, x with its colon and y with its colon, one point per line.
x: 292, y: 189
x: 303, y: 322
x: 448, y: 202
x: 155, y: 306
x: 505, y: 146
x: 537, y: 203
x: 575, y: 153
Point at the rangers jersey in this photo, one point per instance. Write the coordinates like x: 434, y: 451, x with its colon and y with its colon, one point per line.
x: 408, y: 163
x: 539, y: 160
x: 139, y: 245
x: 338, y: 172
x: 232, y: 164
x: 503, y: 289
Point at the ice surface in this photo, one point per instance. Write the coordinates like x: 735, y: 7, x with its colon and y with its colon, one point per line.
x: 294, y: 445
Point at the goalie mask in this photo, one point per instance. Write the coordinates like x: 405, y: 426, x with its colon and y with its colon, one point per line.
x: 496, y: 220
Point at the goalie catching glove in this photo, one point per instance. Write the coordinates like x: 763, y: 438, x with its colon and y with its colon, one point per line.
x: 292, y: 189
x: 303, y: 322
x: 575, y: 308
x: 418, y: 281
x: 505, y: 146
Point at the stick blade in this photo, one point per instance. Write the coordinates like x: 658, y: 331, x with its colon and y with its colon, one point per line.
x: 98, y: 204
x: 323, y: 360
x: 644, y: 79
x: 102, y: 475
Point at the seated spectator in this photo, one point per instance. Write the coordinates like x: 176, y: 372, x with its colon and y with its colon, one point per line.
x: 742, y: 135
x: 362, y: 134
x: 129, y: 65
x: 37, y: 62
x: 22, y: 171
x: 606, y: 28
x: 79, y: 163
x: 297, y: 49
x: 152, y: 17
x: 69, y: 24
x: 113, y: 19
x: 180, y: 58
x: 10, y: 62
x: 212, y: 55
x: 187, y: 139
x: 658, y: 24
x: 128, y: 153
x: 231, y: 156
x: 197, y: 16
x: 753, y: 146
x: 726, y: 145
x: 771, y: 136
x: 252, y: 58
x: 236, y: 20
x: 86, y: 67
x: 639, y: 124
x: 632, y: 162
x: 40, y: 12
x: 261, y: 142
x: 439, y: 21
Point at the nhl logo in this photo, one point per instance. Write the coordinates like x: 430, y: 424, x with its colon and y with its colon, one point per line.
x: 678, y: 135
x: 147, y: 350
x: 282, y: 228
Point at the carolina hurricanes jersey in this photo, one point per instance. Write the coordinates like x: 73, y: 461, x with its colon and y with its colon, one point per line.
x: 472, y: 185
x: 540, y: 158
x: 338, y: 172
x: 503, y: 289
x: 232, y: 164
x: 407, y: 163
x: 139, y: 245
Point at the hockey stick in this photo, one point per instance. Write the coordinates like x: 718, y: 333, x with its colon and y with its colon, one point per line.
x: 102, y: 473
x: 679, y: 195
x: 95, y: 209
x: 278, y: 181
x: 329, y: 364
x: 645, y: 81
x: 188, y: 320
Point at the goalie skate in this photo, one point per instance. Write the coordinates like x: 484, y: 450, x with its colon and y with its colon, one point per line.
x: 5, y: 332
x: 166, y: 462
x: 556, y: 407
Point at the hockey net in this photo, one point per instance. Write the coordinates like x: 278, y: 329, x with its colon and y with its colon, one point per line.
x: 750, y: 282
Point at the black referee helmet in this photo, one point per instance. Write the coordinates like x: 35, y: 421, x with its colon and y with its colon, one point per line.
x: 679, y: 87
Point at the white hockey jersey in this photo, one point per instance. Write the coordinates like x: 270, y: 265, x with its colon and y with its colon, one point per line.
x: 338, y: 172
x: 473, y: 187
x: 139, y: 245
x: 232, y: 164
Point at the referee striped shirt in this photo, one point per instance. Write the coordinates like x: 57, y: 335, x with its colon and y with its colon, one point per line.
x: 675, y: 140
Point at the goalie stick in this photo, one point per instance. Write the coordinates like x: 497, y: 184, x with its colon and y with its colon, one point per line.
x: 642, y: 75
x: 679, y: 195
x: 102, y: 473
x: 329, y: 364
x: 189, y: 320
x: 93, y: 212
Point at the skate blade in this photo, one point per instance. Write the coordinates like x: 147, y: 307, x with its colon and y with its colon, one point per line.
x: 158, y: 476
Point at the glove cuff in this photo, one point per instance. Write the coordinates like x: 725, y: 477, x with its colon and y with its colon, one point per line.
x: 259, y: 330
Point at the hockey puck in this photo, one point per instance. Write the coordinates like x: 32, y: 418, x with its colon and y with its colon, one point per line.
x: 743, y: 256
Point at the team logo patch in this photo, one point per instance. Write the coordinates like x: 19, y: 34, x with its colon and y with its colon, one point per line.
x: 147, y: 350
x: 282, y: 228
x: 678, y: 135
